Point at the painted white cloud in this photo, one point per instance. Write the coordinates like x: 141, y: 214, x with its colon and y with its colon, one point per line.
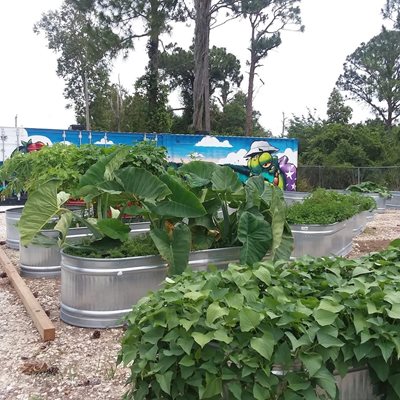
x: 66, y: 142
x: 195, y: 155
x: 104, y: 141
x: 290, y: 154
x: 211, y: 141
x: 235, y: 158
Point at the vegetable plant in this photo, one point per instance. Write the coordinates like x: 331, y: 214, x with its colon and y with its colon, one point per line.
x: 270, y: 331
x: 202, y: 205
x: 327, y: 207
x: 371, y: 187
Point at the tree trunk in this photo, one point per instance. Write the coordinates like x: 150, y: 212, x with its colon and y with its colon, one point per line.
x: 249, y: 100
x: 201, y: 90
x: 153, y: 74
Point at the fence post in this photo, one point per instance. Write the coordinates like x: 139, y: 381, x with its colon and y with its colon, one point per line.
x: 319, y: 176
x: 358, y: 176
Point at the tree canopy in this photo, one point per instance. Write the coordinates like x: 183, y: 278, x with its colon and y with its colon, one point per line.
x: 372, y: 75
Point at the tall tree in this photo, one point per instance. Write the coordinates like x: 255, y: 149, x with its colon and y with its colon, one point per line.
x: 224, y: 75
x: 337, y: 110
x: 267, y: 19
x: 84, y: 50
x: 372, y: 75
x: 204, y: 10
x: 391, y: 11
x: 134, y: 19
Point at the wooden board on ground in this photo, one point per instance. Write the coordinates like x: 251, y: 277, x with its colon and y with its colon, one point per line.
x: 39, y: 317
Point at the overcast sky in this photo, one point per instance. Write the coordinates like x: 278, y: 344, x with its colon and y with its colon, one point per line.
x: 300, y: 74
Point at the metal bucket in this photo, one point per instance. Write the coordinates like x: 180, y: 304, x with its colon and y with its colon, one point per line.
x: 97, y: 293
x: 12, y: 234
x: 38, y: 261
x: 322, y: 240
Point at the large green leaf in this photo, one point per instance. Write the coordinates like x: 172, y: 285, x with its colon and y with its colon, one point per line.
x: 173, y: 247
x: 181, y: 203
x: 41, y: 206
x: 63, y: 224
x: 264, y: 345
x: 225, y: 180
x: 282, y: 239
x: 255, y: 235
x: 104, y: 168
x: 198, y: 173
x: 249, y: 319
x: 114, y: 228
x: 142, y: 183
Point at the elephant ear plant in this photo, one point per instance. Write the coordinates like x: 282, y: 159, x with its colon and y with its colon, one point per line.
x: 200, y: 206
x: 252, y: 215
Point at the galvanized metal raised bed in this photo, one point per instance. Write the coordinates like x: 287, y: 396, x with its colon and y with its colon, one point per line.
x: 38, y: 261
x: 394, y: 201
x: 294, y: 197
x: 322, y: 240
x: 97, y: 293
x: 12, y: 234
x: 380, y: 202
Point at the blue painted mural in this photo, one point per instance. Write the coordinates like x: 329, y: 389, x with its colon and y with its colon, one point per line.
x: 273, y: 158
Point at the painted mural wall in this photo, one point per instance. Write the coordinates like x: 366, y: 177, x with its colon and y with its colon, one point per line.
x: 273, y: 158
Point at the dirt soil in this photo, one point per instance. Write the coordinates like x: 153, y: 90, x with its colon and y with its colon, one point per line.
x: 80, y: 363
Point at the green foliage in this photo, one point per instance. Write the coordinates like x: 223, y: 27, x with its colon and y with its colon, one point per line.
x: 139, y: 245
x: 85, y: 48
x: 371, y: 75
x: 27, y: 171
x: 337, y: 111
x: 327, y: 207
x: 275, y: 331
x: 202, y: 205
x: 370, y: 187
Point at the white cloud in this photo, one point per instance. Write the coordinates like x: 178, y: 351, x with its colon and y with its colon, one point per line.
x: 195, y: 155
x: 290, y: 154
x: 104, y: 141
x: 236, y: 158
x: 210, y: 141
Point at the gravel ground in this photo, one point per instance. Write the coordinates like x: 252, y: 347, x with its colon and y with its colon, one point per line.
x: 80, y: 363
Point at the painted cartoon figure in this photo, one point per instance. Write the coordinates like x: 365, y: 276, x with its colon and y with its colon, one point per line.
x: 279, y: 172
x: 261, y: 162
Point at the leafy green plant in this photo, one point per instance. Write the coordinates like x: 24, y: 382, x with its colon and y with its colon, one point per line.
x: 28, y: 171
x: 327, y: 207
x: 200, y: 206
x: 270, y: 331
x: 371, y: 187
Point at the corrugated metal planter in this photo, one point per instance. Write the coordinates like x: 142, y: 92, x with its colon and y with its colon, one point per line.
x: 322, y: 240
x: 97, y: 293
x: 356, y: 385
x: 12, y: 234
x: 294, y: 197
x: 359, y: 222
x: 37, y: 261
x: 380, y: 202
x: 394, y: 201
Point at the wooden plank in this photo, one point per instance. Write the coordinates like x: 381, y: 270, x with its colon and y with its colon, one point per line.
x: 39, y: 317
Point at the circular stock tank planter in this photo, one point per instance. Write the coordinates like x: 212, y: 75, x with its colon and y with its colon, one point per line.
x: 38, y: 261
x: 380, y: 202
x: 13, y: 215
x: 394, y: 201
x: 97, y: 293
x: 294, y: 197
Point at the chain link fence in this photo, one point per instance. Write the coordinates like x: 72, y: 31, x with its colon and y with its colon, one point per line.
x: 338, y: 177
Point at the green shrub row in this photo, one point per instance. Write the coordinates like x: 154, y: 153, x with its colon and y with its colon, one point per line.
x: 271, y: 331
x: 327, y: 207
